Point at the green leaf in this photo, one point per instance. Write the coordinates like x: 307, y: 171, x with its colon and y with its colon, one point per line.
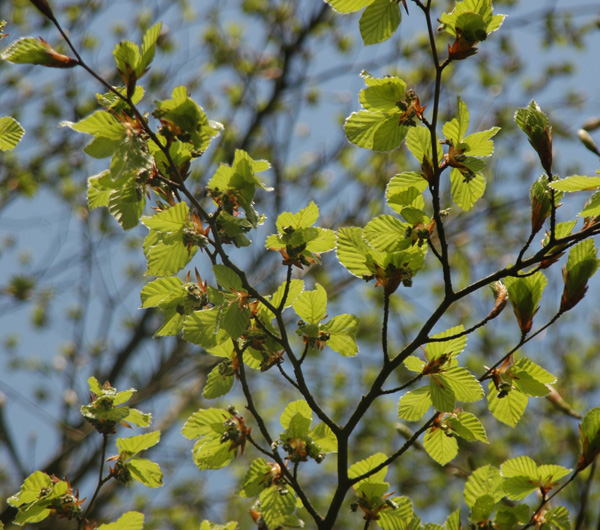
x: 207, y: 525
x: 378, y: 131
x: 414, y: 364
x: 256, y: 479
x: 219, y: 382
x: 485, y: 480
x: 31, y: 489
x: 205, y: 422
x: 169, y: 220
x: 442, y: 397
x: 154, y: 292
x: 453, y: 521
x: 451, y: 348
x: 342, y: 330
x: 507, y: 409
x: 463, y: 384
x: 29, y: 50
x: 227, y: 278
x: 148, y: 48
x: 128, y: 521
x: 508, y: 517
x: 576, y: 183
x: 535, y: 371
x: 418, y: 141
x: 379, y: 21
x: 455, y: 129
x: 387, y: 234
x: 366, y: 465
x: 480, y: 143
x: 525, y: 294
x: 305, y: 218
x: 353, y: 251
x: 167, y: 254
x: 277, y: 503
x: 381, y: 94
x: 128, y: 447
x: 413, y: 405
x: 592, y: 206
x: 468, y: 427
x: 11, y: 133
x: 324, y: 438
x: 146, y: 472
x: 138, y: 418
x: 126, y: 204
x: 100, y: 124
x: 398, y: 516
x: 469, y: 16
x: 466, y: 190
x: 203, y: 328
x: 295, y: 407
x: 349, y: 6
x: 440, y: 446
x: 581, y: 265
x: 535, y: 124
x: 127, y: 57
x: 557, y: 519
x: 295, y: 288
x: 311, y: 306
x: 589, y: 436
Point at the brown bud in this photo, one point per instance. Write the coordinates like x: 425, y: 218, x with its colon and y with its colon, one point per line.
x: 44, y: 7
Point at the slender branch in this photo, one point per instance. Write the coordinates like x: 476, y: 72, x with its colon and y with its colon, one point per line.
x: 384, y: 330
x: 286, y: 290
x: 585, y: 497
x: 101, y: 481
x: 414, y: 380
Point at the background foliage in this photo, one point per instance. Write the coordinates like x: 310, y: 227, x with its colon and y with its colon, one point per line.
x: 281, y: 76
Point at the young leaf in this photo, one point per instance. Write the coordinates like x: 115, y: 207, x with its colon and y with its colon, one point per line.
x: 366, y: 465
x: 387, y: 234
x: 219, y: 381
x: 440, y: 446
x: 203, y: 328
x: 37, y: 51
x: 535, y: 124
x: 128, y: 447
x: 483, y: 481
x: 311, y: 306
x: 257, y: 477
x: 354, y: 253
x: 128, y: 521
x: 507, y: 408
x: 11, y: 133
x: 589, y: 436
x: 349, y: 6
x: 413, y: 405
x: 525, y: 294
x: 467, y: 426
x: 277, y: 504
x: 576, y: 183
x: 466, y: 189
x: 451, y: 347
x: 379, y: 21
x: 581, y: 265
x: 295, y: 407
x: 463, y: 383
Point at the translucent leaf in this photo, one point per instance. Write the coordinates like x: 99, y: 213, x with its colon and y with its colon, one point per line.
x: 528, y: 385
x: 158, y: 290
x: 576, y: 183
x: 485, y: 480
x: 468, y: 427
x: 276, y: 505
x: 138, y: 418
x: 463, y: 384
x: 210, y: 453
x: 442, y: 397
x: 557, y: 519
x: 418, y: 141
x: 378, y: 131
x: 581, y: 265
x: 439, y: 446
x: 168, y: 255
x: 520, y: 466
x: 295, y: 407
x: 304, y: 218
x: 550, y: 473
x: 535, y: 371
x: 466, y: 191
x: 169, y: 220
x: 592, y: 206
x: 452, y: 347
x: 136, y: 444
x: 146, y: 472
x: 148, y: 48
x: 235, y: 320
x: 295, y: 288
x: 29, y: 50
x: 342, y: 330
x: 217, y: 383
x: 589, y: 435
x: 482, y: 509
x: 413, y: 405
x: 324, y: 438
x: 205, y: 422
x: 353, y: 251
x: 508, y: 517
x: 507, y: 409
x: 324, y: 241
x: 525, y: 295
x: 387, y: 234
x: 414, y: 364
x: 201, y: 328
x: 453, y: 521
x: 364, y: 466
x: 128, y: 521
x: 455, y: 129
x: 11, y: 133
x: 126, y: 204
x: 127, y: 57
x: 479, y: 143
x: 349, y: 6
x: 383, y: 93
x: 101, y: 124
x: 311, y: 306
x: 254, y: 482
x: 517, y: 488
x: 31, y: 488
x: 398, y: 517
x: 379, y: 21
x: 227, y: 278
